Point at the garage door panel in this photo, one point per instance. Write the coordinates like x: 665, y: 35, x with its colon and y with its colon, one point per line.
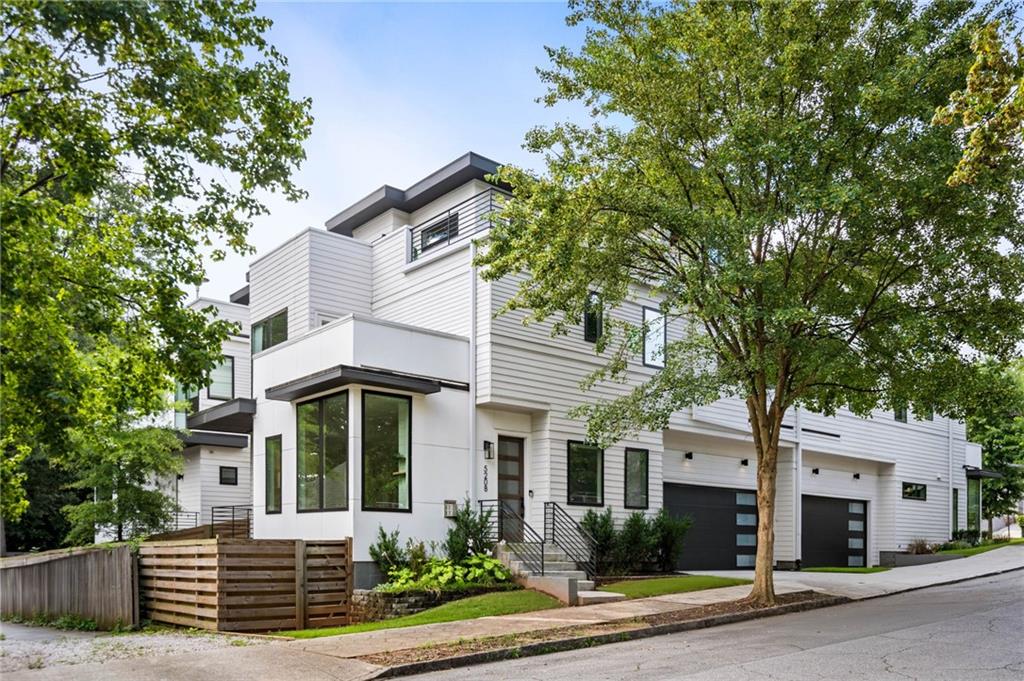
x: 723, y: 535
x: 834, y: 532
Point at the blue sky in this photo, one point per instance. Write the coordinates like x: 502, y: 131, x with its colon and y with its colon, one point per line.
x: 398, y: 90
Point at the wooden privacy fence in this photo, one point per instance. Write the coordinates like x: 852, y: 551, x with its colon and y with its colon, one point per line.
x: 247, y: 584
x: 95, y: 583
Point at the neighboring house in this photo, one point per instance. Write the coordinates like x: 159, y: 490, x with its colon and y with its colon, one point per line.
x: 385, y: 386
x: 217, y: 459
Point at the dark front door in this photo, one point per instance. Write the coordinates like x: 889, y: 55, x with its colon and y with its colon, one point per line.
x: 510, y: 484
x: 834, y: 532
x: 723, y: 535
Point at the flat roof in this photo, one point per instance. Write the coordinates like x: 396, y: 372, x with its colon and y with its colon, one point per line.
x: 468, y: 167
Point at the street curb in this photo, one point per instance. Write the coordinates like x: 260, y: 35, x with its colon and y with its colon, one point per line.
x: 562, y: 645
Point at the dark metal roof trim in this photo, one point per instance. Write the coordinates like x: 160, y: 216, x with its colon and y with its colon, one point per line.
x: 974, y: 472
x: 464, y: 169
x: 208, y: 439
x: 233, y: 416
x: 343, y: 375
x: 241, y: 296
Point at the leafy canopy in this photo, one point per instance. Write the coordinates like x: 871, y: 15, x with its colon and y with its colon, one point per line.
x: 995, y: 420
x: 134, y: 136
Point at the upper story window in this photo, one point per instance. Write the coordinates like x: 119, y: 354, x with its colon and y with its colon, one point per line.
x: 321, y: 454
x: 586, y: 474
x: 915, y: 490
x: 637, y: 480
x: 929, y: 414
x: 269, y: 332
x: 387, y: 452
x: 229, y: 475
x: 183, y: 395
x: 900, y: 414
x: 222, y: 380
x: 440, y: 232
x: 593, y: 318
x: 655, y: 338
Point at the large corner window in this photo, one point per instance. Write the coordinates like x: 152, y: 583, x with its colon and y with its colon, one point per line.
x: 222, y: 380
x: 321, y: 456
x: 636, y: 478
x: 654, y: 338
x: 272, y: 466
x: 915, y: 490
x: 586, y: 474
x: 593, y: 319
x: 269, y: 332
x: 387, y: 452
x: 974, y: 504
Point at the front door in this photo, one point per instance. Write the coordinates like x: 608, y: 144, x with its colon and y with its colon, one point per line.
x: 510, y: 484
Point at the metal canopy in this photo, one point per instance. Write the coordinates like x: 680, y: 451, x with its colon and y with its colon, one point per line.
x: 974, y: 472
x: 208, y: 439
x: 343, y: 375
x: 233, y: 416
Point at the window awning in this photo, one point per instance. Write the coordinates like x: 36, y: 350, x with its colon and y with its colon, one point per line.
x: 973, y: 472
x: 233, y: 416
x: 343, y: 375
x: 207, y: 439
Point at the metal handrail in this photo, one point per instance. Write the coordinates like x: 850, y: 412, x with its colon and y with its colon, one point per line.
x: 459, y: 222
x: 182, y: 520
x: 232, y: 521
x: 564, y: 531
x: 521, y: 540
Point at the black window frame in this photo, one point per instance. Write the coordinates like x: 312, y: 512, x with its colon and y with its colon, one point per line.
x: 448, y: 225
x: 224, y: 469
x: 899, y: 414
x: 280, y: 472
x: 912, y: 495
x: 647, y: 477
x: 323, y: 458
x: 593, y: 318
x: 664, y: 336
x: 209, y: 388
x: 362, y: 453
x: 568, y: 477
x: 252, y: 330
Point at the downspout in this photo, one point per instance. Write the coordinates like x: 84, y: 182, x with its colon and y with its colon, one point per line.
x: 471, y: 452
x: 798, y: 463
x: 949, y: 490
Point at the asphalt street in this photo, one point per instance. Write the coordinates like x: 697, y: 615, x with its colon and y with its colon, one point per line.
x: 971, y: 630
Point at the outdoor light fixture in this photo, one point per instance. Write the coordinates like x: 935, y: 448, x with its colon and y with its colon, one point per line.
x: 488, y: 449
x: 688, y: 455
x: 856, y: 476
x: 815, y: 471
x: 451, y: 508
x: 744, y: 462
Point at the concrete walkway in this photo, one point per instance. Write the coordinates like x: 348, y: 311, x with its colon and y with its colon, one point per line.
x: 332, y: 657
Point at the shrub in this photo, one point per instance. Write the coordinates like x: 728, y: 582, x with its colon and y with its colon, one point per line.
x: 601, y: 528
x: 969, y: 537
x: 669, y: 535
x: 635, y: 548
x: 469, y: 534
x: 477, y: 571
x: 919, y: 546
x: 386, y: 552
x: 416, y: 555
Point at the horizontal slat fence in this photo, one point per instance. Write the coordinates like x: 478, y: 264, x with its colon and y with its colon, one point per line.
x: 96, y: 583
x: 246, y: 584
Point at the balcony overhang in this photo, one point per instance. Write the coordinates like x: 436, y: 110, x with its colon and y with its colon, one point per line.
x: 342, y: 375
x: 974, y: 473
x: 233, y: 416
x: 208, y: 439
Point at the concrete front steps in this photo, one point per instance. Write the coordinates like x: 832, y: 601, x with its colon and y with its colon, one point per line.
x: 562, y: 578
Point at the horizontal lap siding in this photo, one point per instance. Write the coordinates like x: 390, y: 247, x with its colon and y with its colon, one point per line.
x: 340, y: 276
x: 280, y: 280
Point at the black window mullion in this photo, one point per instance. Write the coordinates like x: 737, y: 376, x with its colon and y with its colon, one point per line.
x: 323, y: 454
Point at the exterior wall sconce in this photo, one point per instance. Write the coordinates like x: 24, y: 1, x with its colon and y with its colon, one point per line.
x: 451, y: 508
x: 815, y: 471
x: 688, y: 455
x: 856, y: 476
x: 488, y: 450
x: 744, y: 462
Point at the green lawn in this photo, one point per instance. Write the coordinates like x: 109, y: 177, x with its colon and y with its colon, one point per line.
x: 975, y: 550
x: 499, y: 603
x: 659, y: 586
x: 855, y: 570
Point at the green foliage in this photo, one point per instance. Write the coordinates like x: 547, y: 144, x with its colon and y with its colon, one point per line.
x: 119, y: 463
x: 474, y: 572
x: 634, y: 548
x: 768, y: 171
x: 642, y: 545
x: 669, y: 536
x: 659, y: 586
x: 995, y: 420
x: 136, y: 136
x: 387, y: 553
x: 67, y: 622
x: 965, y: 537
x: 469, y: 534
x: 601, y: 529
x: 43, y: 526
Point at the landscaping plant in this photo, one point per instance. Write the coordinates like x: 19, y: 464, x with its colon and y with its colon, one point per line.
x: 601, y: 529
x: 642, y: 545
x: 474, y: 572
x: 387, y: 553
x: 469, y: 534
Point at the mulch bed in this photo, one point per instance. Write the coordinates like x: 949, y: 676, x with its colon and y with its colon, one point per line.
x: 484, y: 649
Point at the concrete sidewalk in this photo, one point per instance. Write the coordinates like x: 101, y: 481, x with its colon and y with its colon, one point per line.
x: 333, y: 657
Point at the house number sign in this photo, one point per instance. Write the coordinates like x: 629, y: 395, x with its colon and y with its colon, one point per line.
x: 485, y: 477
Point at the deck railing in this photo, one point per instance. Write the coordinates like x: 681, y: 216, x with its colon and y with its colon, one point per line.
x: 232, y: 521
x: 458, y: 223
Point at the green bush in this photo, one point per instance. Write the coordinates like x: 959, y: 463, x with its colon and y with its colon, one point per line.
x: 634, y: 550
x: 476, y: 571
x: 969, y: 537
x: 469, y: 534
x: 643, y: 544
x: 386, y: 551
x: 601, y: 528
x: 669, y: 535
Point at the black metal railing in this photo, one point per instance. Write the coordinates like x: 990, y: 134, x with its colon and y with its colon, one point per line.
x: 458, y: 223
x: 183, y: 520
x: 232, y: 521
x: 521, y: 540
x: 562, y: 530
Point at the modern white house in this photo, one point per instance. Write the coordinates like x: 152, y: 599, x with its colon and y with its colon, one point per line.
x: 385, y: 389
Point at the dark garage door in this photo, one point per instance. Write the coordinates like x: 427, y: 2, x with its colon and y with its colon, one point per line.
x: 724, y: 531
x: 834, y: 532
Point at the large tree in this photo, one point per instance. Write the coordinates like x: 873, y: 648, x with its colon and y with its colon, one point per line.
x: 136, y: 136
x: 770, y: 172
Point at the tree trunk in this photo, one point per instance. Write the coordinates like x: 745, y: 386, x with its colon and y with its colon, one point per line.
x: 765, y: 425
x: 990, y: 528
